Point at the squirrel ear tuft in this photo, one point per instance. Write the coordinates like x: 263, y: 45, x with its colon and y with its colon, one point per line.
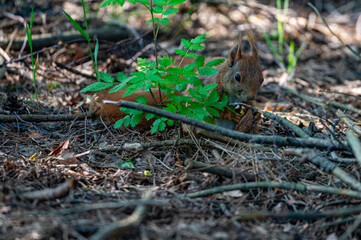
x: 253, y: 45
x: 234, y: 54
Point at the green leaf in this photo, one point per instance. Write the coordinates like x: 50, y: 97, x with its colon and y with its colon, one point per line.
x: 118, y: 87
x: 213, y: 97
x: 209, y: 87
x: 106, y: 77
x: 196, y: 47
x: 121, y: 76
x: 181, y: 87
x: 199, y: 62
x: 207, y: 71
x: 161, y: 126
x: 180, y: 52
x: 191, y: 55
x: 28, y: 33
x: 149, y: 116
x: 160, y: 2
x: 136, y: 119
x: 171, y: 108
x: 189, y: 67
x: 96, y: 57
x: 176, y: 2
x: 153, y: 75
x: 155, y: 126
x: 170, y: 122
x: 106, y: 3
x: 212, y: 111
x: 144, y: 2
x: 164, y: 21
x: 157, y: 9
x: 31, y: 18
x: 222, y: 103
x: 214, y: 62
x: 132, y: 1
x: 186, y: 44
x: 199, y: 39
x: 120, y: 2
x: 126, y: 121
x: 165, y: 61
x: 119, y: 123
x: 170, y: 11
x: 141, y: 99
x: 76, y: 25
x: 95, y: 87
x: 127, y: 164
x: 155, y: 20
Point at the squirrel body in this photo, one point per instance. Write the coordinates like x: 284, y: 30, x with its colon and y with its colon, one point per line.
x: 239, y: 77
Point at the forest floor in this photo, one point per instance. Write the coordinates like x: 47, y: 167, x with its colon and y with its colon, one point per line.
x: 75, y: 178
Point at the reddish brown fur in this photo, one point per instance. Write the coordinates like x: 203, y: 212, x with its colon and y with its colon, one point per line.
x: 246, y: 66
x: 112, y: 113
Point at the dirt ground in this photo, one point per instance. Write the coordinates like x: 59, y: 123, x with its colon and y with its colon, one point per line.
x: 66, y: 174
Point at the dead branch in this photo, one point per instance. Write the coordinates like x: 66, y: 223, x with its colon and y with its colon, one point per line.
x: 284, y: 122
x: 322, y: 102
x: 348, y: 122
x: 46, y: 118
x: 106, y: 32
x: 217, y: 170
x: 276, y: 140
x: 50, y: 193
x: 355, y: 145
x: 328, y: 27
x: 312, y: 215
x: 116, y: 229
x: 328, y: 166
x: 166, y: 143
x: 291, y: 186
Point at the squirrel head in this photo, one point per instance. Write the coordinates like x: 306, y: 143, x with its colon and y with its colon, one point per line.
x: 243, y: 78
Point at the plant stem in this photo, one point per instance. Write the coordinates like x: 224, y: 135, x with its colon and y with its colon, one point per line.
x: 95, y: 67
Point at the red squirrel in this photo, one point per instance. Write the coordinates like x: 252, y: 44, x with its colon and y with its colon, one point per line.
x: 240, y: 77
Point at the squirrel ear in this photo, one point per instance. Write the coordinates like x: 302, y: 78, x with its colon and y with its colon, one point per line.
x: 234, y: 54
x: 253, y: 45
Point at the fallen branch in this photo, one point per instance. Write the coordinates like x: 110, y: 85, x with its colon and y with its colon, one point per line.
x: 213, y: 169
x: 50, y: 193
x: 312, y: 215
x: 282, y: 185
x: 276, y: 140
x: 328, y: 166
x: 348, y: 122
x: 157, y: 144
x: 355, y: 145
x: 328, y: 27
x: 284, y: 122
x: 116, y: 229
x: 43, y: 40
x: 46, y: 118
x: 322, y: 102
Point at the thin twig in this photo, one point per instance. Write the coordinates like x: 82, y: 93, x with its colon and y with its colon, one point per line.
x: 321, y: 102
x: 355, y: 145
x: 115, y: 229
x: 291, y: 186
x: 312, y: 215
x: 276, y: 140
x: 328, y: 27
x: 47, y: 118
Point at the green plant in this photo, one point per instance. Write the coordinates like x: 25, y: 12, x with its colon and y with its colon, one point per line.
x: 165, y: 77
x: 35, y: 64
x: 293, y: 55
x: 87, y: 36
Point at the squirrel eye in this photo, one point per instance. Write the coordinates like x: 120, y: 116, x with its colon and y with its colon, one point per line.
x: 237, y: 77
